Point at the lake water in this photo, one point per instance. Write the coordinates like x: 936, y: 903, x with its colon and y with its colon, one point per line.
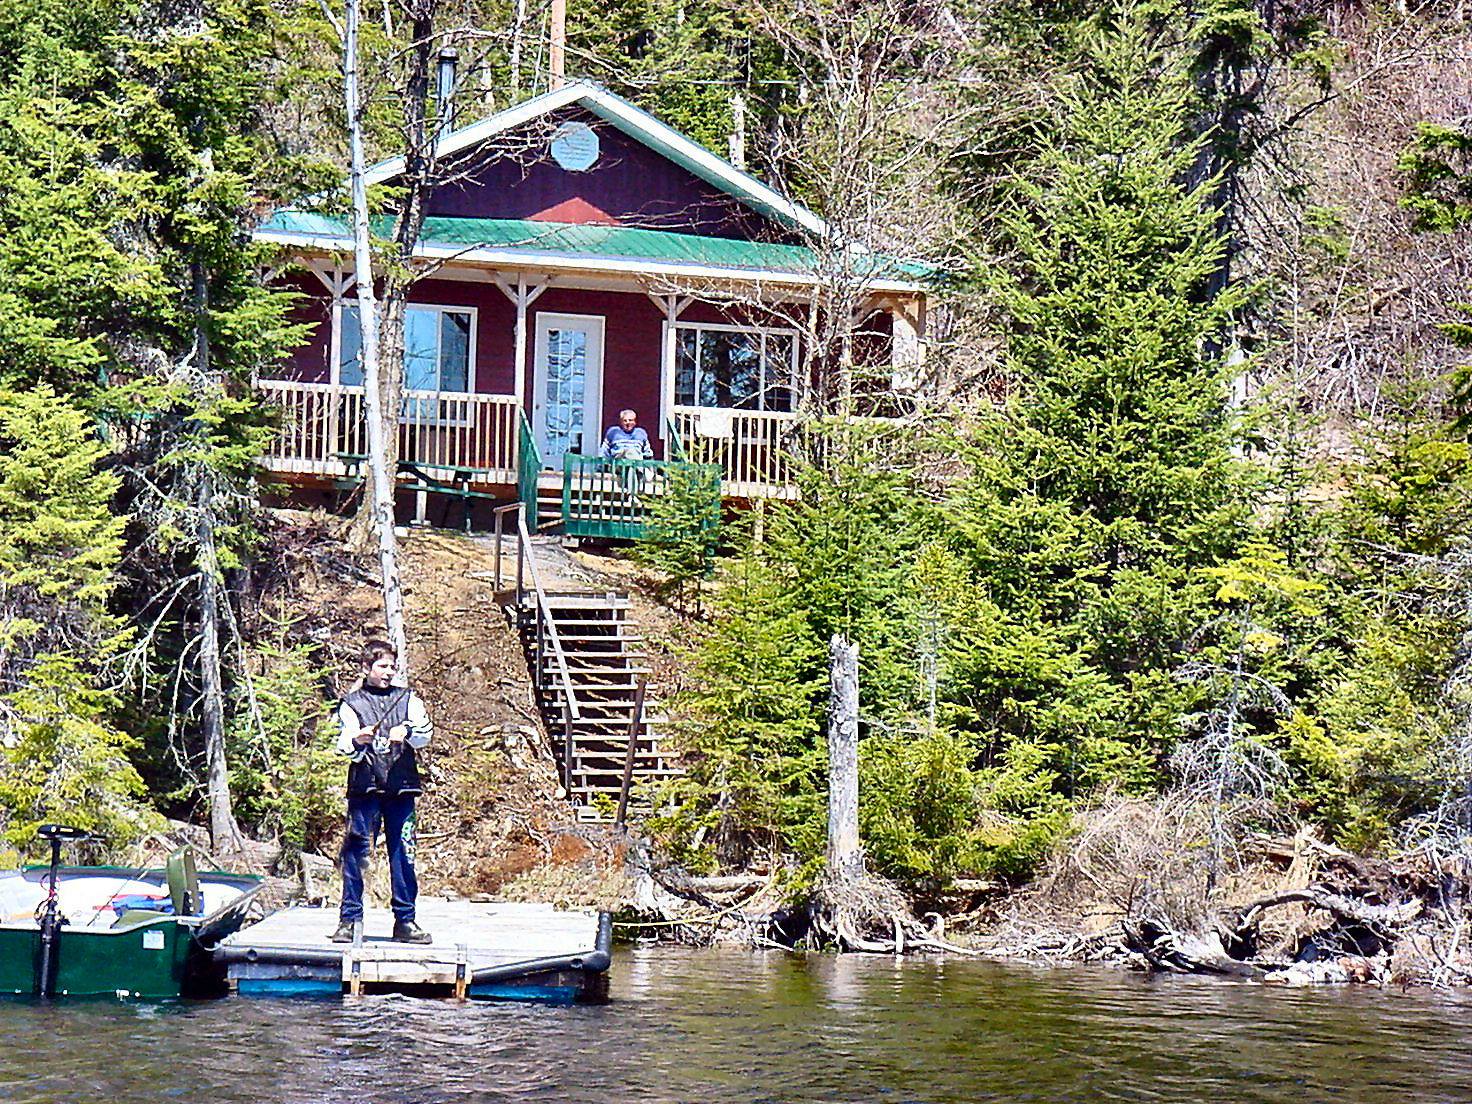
x: 704, y: 1027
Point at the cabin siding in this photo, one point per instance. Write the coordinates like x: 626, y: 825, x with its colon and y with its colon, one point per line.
x: 309, y: 362
x: 495, y: 357
x: 633, y: 334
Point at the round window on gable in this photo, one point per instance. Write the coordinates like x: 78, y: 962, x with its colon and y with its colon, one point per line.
x: 575, y: 146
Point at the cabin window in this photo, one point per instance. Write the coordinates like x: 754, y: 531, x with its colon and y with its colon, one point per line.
x: 437, y: 350
x: 743, y: 368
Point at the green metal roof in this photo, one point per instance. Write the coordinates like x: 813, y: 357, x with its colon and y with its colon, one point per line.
x: 625, y: 243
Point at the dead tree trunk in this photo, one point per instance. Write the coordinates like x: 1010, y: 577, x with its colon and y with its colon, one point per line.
x: 556, y: 44
x: 518, y: 30
x: 845, y: 854
x: 737, y: 146
x: 224, y: 833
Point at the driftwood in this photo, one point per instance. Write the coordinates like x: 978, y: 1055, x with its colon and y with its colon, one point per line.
x: 1382, y: 919
x: 1182, y: 952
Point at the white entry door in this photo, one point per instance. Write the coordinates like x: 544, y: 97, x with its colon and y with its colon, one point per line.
x: 567, y: 395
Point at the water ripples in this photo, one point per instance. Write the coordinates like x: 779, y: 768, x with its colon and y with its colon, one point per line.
x: 710, y: 1027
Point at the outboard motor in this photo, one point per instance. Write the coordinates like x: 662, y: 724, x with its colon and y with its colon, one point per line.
x: 48, y: 916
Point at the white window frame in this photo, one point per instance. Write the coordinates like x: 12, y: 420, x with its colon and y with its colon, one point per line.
x: 438, y: 308
x: 762, y: 386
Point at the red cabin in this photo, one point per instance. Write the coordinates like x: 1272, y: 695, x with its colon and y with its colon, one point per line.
x: 589, y: 259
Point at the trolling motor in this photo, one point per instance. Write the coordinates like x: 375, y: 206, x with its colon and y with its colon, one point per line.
x: 48, y: 916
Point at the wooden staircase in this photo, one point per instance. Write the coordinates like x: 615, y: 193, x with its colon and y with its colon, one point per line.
x: 549, y: 504
x: 588, y: 671
x: 590, y: 728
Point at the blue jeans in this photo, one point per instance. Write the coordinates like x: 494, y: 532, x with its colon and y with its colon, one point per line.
x: 366, y: 814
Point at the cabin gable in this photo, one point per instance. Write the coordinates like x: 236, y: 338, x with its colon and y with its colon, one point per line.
x: 515, y: 175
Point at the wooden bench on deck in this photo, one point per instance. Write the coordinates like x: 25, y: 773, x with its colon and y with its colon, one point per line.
x: 424, y: 481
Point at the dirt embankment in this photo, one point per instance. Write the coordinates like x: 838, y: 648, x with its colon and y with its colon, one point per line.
x: 492, y: 819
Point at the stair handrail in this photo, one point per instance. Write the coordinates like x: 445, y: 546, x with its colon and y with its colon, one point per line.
x: 636, y: 718
x: 544, y: 609
x: 526, y: 565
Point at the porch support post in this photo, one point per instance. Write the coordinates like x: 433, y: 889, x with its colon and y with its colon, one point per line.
x: 809, y: 382
x: 522, y: 296
x: 338, y: 283
x: 906, y: 348
x: 672, y: 306
x: 521, y: 302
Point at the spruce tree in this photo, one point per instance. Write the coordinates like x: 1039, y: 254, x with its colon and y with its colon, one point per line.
x: 748, y: 726
x: 132, y: 154
x: 1109, y: 475
x: 63, y: 758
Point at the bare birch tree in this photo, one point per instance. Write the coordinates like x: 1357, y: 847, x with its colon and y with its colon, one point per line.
x: 421, y: 34
x: 382, y: 427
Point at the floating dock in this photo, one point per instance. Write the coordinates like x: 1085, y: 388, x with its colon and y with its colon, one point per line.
x: 506, y: 950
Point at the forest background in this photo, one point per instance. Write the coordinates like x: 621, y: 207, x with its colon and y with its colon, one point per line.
x: 1181, y: 513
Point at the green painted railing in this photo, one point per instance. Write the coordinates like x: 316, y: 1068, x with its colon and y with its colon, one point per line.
x: 528, y: 467
x: 676, y: 444
x: 611, y: 498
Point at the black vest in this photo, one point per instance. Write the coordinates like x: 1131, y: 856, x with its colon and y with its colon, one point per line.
x: 393, y: 772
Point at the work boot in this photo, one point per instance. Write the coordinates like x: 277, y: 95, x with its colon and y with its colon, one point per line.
x: 344, y: 933
x: 406, y: 931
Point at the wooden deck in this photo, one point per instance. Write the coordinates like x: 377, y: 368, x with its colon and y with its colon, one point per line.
x: 322, y: 424
x: 502, y: 949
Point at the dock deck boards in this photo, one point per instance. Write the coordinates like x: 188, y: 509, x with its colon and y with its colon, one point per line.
x: 468, y: 937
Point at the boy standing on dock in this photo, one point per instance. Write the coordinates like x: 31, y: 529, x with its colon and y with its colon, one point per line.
x: 383, y: 725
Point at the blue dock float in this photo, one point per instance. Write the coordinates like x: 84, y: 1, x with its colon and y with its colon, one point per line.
x: 507, y: 950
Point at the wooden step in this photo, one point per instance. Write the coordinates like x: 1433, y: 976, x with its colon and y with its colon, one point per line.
x: 576, y: 669
x: 612, y: 774
x: 611, y: 789
x: 578, y: 649
x: 585, y: 601
x: 593, y: 657
x: 596, y: 743
x: 585, y: 683
x: 613, y: 766
x: 595, y: 645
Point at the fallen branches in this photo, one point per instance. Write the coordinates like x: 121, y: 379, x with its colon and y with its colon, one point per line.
x: 1384, y: 919
x: 1129, y: 887
x: 1184, y: 952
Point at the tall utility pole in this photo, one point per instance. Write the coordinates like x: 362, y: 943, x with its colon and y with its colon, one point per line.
x: 557, y: 44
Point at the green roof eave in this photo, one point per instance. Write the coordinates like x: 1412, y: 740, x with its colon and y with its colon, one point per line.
x: 587, y: 240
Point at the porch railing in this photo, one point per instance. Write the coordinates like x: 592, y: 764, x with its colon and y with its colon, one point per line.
x: 749, y: 446
x: 529, y: 460
x: 611, y: 498
x: 321, y: 424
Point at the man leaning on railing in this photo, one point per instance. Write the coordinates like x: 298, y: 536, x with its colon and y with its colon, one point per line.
x: 627, y: 440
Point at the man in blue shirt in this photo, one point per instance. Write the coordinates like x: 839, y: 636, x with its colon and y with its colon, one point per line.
x: 627, y: 440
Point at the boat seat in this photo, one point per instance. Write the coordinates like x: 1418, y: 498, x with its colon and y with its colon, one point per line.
x: 183, y: 879
x: 139, y: 916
